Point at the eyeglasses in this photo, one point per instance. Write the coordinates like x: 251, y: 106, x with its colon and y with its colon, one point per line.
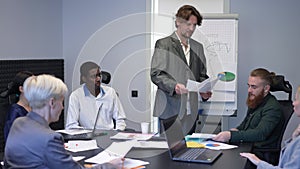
x: 96, y: 75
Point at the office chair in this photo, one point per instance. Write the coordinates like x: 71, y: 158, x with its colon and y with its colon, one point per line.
x: 105, y: 77
x: 7, y: 97
x: 3, y: 109
x: 279, y: 84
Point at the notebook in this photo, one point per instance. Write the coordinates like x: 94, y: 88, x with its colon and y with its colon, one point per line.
x: 88, y: 135
x: 177, y: 145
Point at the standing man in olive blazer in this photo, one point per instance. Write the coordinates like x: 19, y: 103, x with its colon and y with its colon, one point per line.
x: 176, y: 59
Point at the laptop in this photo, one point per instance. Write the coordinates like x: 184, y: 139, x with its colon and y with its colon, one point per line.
x: 177, y: 145
x: 85, y: 136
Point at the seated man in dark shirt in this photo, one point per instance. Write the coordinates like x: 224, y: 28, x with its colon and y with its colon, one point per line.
x: 264, y: 117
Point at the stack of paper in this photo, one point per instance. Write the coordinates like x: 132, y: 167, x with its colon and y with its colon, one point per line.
x: 81, y: 145
x: 133, y: 163
x: 217, y: 145
x: 132, y: 136
x: 121, y: 148
x: 74, y: 131
x: 205, y: 86
x: 203, y: 140
x: 78, y: 158
x: 199, y: 137
x: 203, y: 135
x: 151, y: 144
x: 117, y: 150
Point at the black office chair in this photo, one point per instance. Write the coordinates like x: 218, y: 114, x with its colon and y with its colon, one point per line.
x: 3, y: 109
x: 105, y: 77
x: 279, y: 84
x: 7, y: 97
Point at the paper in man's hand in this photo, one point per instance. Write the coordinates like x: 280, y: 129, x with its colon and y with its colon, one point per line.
x: 203, y: 87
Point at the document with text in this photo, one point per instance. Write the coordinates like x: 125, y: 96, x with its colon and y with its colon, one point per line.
x: 203, y: 87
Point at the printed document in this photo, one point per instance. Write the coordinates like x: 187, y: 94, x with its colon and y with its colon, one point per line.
x: 81, y: 145
x: 131, y: 136
x: 203, y: 87
x: 117, y: 150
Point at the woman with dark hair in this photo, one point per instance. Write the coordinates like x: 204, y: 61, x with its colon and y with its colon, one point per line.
x: 21, y: 108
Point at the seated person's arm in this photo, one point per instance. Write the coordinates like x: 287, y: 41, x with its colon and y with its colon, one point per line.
x: 120, y: 124
x: 223, y: 136
x: 119, y: 115
x: 73, y: 113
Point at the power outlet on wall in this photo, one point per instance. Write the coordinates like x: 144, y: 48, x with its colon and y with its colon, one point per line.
x: 134, y: 93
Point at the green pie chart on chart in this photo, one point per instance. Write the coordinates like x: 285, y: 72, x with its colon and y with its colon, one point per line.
x: 226, y: 76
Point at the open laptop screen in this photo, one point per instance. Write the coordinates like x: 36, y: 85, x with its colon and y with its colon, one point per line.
x: 174, y: 135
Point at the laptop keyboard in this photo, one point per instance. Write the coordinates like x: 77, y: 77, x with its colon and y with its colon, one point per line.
x: 81, y: 135
x: 192, y: 154
x: 77, y: 136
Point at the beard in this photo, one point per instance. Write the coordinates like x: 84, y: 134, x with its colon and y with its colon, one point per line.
x: 253, y: 103
x: 97, y: 89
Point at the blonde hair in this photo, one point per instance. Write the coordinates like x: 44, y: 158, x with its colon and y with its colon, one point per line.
x: 298, y: 93
x: 39, y: 89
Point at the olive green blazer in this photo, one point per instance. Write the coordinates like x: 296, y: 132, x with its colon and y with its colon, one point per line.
x: 262, y: 125
x: 169, y: 67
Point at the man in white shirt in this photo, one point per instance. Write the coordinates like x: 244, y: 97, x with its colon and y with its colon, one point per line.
x: 84, y: 102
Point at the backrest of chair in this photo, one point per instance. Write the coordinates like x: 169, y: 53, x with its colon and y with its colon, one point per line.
x: 4, y: 105
x: 280, y: 84
x: 105, y: 77
x: 287, y: 109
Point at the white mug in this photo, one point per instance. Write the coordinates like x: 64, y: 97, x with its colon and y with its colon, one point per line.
x: 145, y: 127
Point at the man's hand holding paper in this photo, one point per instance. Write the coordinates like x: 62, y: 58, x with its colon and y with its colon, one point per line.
x: 203, y: 87
x: 180, y: 89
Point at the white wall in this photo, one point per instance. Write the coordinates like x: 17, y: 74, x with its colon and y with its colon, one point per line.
x: 37, y: 29
x: 268, y: 37
x: 113, y: 34
x: 30, y: 29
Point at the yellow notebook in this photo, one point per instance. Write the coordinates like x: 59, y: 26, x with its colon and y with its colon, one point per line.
x: 193, y: 144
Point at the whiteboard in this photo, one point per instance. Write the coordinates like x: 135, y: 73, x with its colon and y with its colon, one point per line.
x: 219, y: 36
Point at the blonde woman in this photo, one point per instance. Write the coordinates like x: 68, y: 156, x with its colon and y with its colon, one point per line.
x: 31, y: 143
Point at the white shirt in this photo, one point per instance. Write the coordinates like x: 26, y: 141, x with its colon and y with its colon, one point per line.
x: 186, y: 51
x: 83, y: 108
